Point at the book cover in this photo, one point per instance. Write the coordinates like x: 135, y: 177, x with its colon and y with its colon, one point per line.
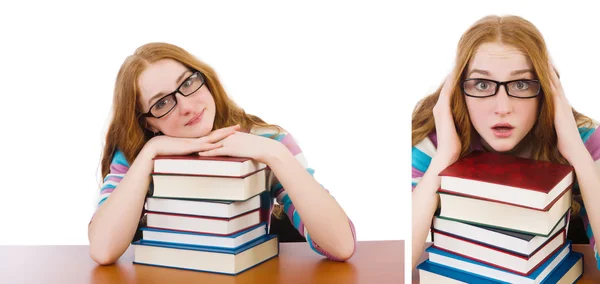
x: 203, y: 239
x: 194, y: 165
x: 569, y: 271
x: 511, y: 241
x: 228, y: 261
x: 508, y: 170
x: 460, y: 263
x: 498, y: 257
x: 237, y: 250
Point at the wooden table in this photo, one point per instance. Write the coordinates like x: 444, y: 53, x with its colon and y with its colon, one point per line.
x: 591, y: 274
x: 374, y: 262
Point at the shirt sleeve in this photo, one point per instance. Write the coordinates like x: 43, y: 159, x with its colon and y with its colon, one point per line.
x: 278, y: 192
x: 118, y: 169
x: 591, y: 139
x: 421, y: 157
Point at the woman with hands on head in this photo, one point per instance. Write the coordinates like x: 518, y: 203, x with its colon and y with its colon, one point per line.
x: 167, y: 102
x: 503, y: 95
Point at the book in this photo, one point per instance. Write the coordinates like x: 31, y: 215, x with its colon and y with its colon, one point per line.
x: 568, y: 271
x: 223, y: 166
x: 208, y: 208
x: 502, y: 259
x: 479, y: 269
x: 508, y: 179
x: 208, y: 240
x: 514, y: 242
x: 205, y: 259
x: 208, y: 187
x: 504, y: 216
x: 199, y: 224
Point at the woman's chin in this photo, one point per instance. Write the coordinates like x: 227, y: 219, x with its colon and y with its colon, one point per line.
x: 502, y: 146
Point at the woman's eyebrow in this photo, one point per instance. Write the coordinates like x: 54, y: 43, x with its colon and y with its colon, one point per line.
x: 482, y: 72
x: 487, y: 73
x: 161, y: 93
x: 521, y: 71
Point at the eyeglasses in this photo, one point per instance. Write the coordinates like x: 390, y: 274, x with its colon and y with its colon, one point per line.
x: 483, y: 88
x: 165, y: 104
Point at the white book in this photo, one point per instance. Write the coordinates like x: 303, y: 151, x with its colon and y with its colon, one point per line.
x: 519, y: 243
x: 208, y: 166
x: 446, y: 259
x: 208, y: 187
x: 504, y: 216
x: 497, y: 257
x: 206, y: 259
x: 207, y: 225
x: 208, y: 240
x: 209, y: 208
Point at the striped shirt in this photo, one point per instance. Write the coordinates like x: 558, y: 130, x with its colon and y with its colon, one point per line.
x: 425, y: 150
x: 276, y: 191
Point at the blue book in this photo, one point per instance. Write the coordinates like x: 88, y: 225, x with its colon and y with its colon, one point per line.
x: 208, y: 240
x: 491, y: 273
x: 206, y: 259
x: 569, y: 270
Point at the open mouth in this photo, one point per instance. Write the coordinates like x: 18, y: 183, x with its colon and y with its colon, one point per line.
x: 502, y: 130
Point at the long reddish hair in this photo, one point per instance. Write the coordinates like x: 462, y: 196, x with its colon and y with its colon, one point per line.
x: 127, y: 131
x: 517, y: 32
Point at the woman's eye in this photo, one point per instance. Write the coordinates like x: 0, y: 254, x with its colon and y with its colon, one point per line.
x: 160, y: 104
x: 522, y: 85
x: 482, y: 85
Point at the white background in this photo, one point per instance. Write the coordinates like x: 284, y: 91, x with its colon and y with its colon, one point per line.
x: 343, y: 78
x: 327, y: 73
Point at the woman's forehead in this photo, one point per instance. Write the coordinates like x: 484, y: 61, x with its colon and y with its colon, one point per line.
x: 499, y: 59
x: 162, y: 76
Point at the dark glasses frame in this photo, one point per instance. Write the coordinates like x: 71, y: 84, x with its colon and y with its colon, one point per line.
x: 498, y: 84
x: 178, y: 90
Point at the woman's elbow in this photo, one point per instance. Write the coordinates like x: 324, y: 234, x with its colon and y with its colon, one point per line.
x: 102, y: 252
x: 102, y: 255
x: 344, y: 252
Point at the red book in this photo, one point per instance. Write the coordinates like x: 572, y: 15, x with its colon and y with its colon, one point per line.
x: 507, y: 179
x: 222, y: 166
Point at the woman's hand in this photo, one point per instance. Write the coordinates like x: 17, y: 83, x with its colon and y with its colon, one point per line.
x: 570, y: 144
x: 448, y: 143
x: 165, y: 145
x: 241, y: 144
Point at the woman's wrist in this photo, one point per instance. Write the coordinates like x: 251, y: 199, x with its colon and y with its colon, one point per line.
x: 437, y: 165
x: 277, y: 153
x: 147, y: 152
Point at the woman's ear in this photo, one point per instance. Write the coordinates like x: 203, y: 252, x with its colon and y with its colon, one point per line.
x: 148, y: 126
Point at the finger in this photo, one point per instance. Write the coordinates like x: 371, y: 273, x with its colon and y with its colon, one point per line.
x: 218, y: 135
x: 556, y: 86
x: 226, y: 129
x: 208, y: 146
x: 214, y: 152
x: 234, y: 127
x: 449, y: 83
x: 553, y: 76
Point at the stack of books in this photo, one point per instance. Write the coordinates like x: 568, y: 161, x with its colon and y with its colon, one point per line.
x: 204, y: 215
x: 503, y: 219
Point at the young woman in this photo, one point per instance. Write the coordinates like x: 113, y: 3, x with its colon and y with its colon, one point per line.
x: 167, y: 102
x: 503, y: 95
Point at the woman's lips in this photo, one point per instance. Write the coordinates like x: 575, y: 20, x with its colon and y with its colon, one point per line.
x: 195, y: 119
x: 502, y: 130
